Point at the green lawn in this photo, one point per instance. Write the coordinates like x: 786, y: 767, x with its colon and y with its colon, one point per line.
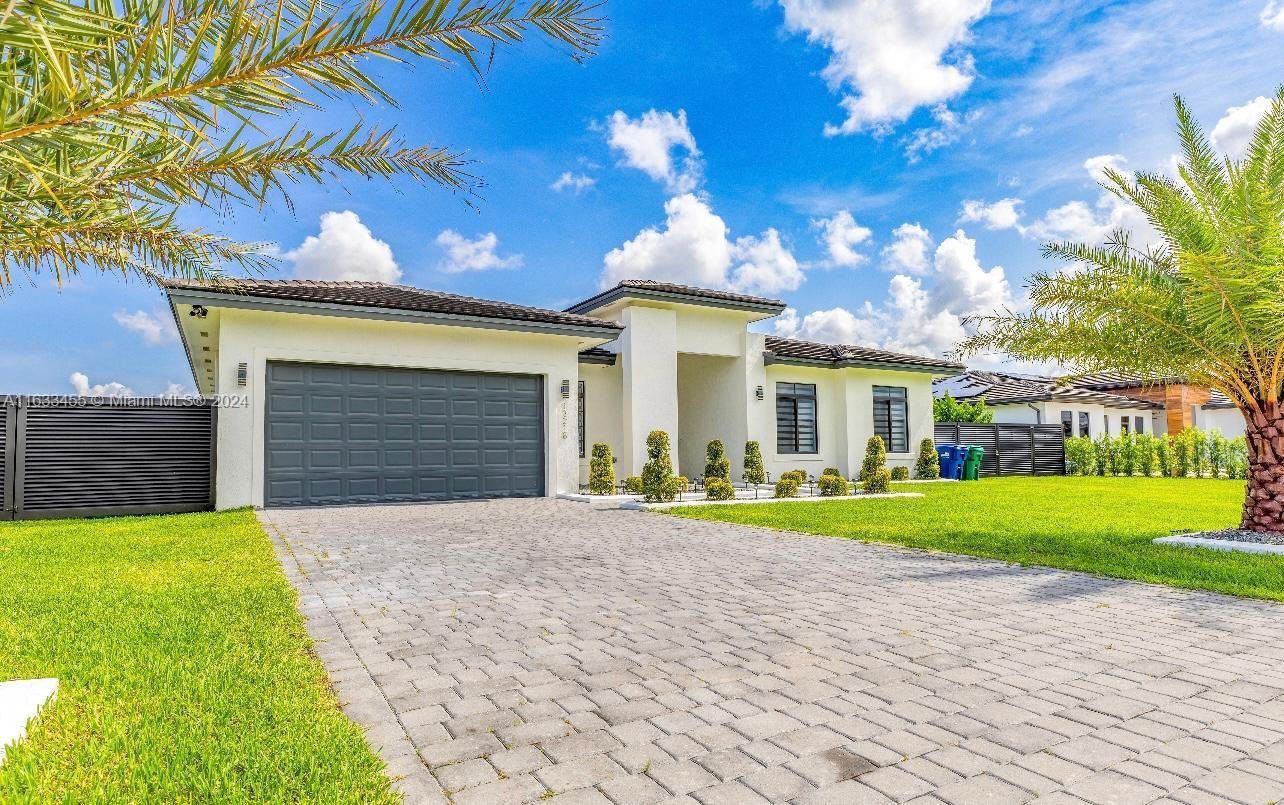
x: 186, y: 674
x: 1098, y: 525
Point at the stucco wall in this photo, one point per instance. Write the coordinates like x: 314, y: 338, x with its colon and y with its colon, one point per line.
x: 603, y: 406
x: 256, y: 337
x: 711, y: 396
x: 1228, y: 420
x: 1101, y: 419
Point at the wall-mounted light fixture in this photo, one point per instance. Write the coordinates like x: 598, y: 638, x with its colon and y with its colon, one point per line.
x: 758, y: 393
x: 566, y: 389
x: 242, y: 374
x: 198, y: 311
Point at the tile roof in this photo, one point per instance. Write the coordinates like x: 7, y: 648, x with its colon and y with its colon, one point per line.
x: 999, y: 388
x: 391, y: 297
x: 1119, y: 380
x: 848, y: 353
x: 623, y: 288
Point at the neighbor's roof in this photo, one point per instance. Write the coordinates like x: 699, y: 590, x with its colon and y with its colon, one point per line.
x: 791, y: 350
x: 669, y: 291
x: 1004, y: 389
x: 383, y: 296
x: 1102, y: 381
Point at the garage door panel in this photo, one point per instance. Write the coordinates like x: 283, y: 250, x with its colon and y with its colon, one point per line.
x: 341, y: 434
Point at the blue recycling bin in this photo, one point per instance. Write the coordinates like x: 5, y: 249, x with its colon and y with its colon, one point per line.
x: 951, y: 457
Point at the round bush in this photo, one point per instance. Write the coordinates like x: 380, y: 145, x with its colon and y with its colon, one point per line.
x: 786, y: 487
x: 832, y: 485
x: 719, y: 489
x: 878, y: 481
x: 633, y: 484
x: 900, y: 473
x: 831, y: 471
x: 799, y: 477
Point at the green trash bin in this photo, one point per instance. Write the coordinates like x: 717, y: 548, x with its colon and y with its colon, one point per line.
x: 972, y: 464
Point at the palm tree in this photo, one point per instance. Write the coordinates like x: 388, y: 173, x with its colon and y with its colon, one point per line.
x: 115, y: 114
x: 1205, y: 302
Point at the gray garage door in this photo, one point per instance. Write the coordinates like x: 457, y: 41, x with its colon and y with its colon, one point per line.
x: 358, y: 434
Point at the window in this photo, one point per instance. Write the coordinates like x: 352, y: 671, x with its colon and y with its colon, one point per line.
x: 1124, y: 425
x: 796, y: 418
x: 891, y: 417
x: 581, y: 418
x: 1067, y: 423
x: 1139, y: 424
x: 1083, y: 424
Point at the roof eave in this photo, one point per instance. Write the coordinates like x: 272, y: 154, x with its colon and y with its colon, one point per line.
x: 608, y: 331
x: 772, y: 359
x: 617, y: 293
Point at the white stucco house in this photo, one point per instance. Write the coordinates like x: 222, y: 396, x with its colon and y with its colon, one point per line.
x: 1095, y: 404
x: 352, y: 392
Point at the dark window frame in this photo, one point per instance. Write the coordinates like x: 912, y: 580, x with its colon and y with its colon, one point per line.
x: 1067, y: 424
x: 1085, y: 425
x: 885, y: 404
x: 1139, y: 424
x: 581, y: 394
x: 796, y: 407
x: 1125, y: 426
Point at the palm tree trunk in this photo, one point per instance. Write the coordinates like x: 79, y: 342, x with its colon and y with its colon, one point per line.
x: 1264, y: 497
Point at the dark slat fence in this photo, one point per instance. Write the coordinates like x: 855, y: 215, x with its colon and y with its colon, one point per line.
x: 1010, y: 449
x: 76, y: 457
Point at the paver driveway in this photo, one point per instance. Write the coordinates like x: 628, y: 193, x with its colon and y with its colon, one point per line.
x: 511, y: 651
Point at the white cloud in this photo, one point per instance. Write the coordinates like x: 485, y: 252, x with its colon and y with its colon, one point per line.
x: 694, y: 248
x: 840, y: 235
x: 764, y: 265
x: 575, y: 182
x: 914, y: 319
x: 157, y: 329
x: 480, y: 254
x: 907, y: 253
x: 80, y: 382
x: 648, y: 144
x: 889, y: 57
x: 1234, y: 131
x: 1097, y: 166
x: 1273, y: 16
x: 949, y: 127
x: 178, y: 391
x: 963, y: 287
x: 1002, y: 214
x: 344, y: 250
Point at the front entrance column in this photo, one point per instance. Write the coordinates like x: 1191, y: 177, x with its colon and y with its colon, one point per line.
x: 649, y: 363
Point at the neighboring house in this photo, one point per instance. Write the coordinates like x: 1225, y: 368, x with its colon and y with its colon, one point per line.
x: 1090, y: 405
x: 1042, y: 400
x: 354, y: 392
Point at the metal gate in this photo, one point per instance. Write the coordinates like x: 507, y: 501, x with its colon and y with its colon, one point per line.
x: 76, y: 457
x: 1010, y: 449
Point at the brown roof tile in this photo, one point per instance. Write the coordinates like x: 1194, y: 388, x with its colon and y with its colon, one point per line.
x: 392, y: 297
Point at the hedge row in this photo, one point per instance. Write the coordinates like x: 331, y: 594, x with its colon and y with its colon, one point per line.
x: 1193, y: 453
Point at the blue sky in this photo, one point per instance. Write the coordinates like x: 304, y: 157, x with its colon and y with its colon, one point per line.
x: 887, y: 167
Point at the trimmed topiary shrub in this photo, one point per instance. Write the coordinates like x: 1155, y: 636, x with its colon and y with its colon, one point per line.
x: 683, y: 482
x: 633, y: 484
x: 799, y: 477
x: 786, y: 487
x: 601, y: 471
x: 718, y: 489
x: 928, y: 465
x: 900, y: 473
x: 832, y: 485
x: 754, y: 472
x: 875, y: 456
x: 658, y: 485
x: 879, y: 481
x: 831, y: 471
x: 716, y: 463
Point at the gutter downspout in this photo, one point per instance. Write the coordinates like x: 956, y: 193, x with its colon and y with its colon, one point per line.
x: 1038, y: 415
